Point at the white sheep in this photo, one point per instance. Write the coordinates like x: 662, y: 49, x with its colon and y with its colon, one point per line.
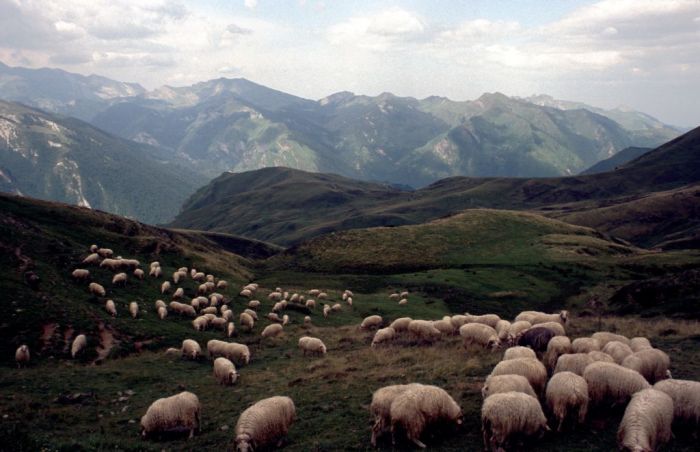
x: 285, y: 319
x: 162, y: 312
x: 567, y: 393
x: 224, y: 371
x: 485, y: 319
x: 238, y: 353
x: 183, y: 309
x: 138, y: 273
x: 573, y: 362
x: 279, y: 306
x: 155, y: 272
x: 502, y: 328
x: 529, y: 368
x: 380, y: 408
x: 230, y: 329
x: 401, y: 324
x: 111, y: 308
x: 272, y: 330
x: 652, y: 363
x: 479, y: 334
x: 510, y: 414
x: 134, y: 309
x: 383, y: 335
x: 97, y: 289
x: 105, y: 252
x: 310, y: 303
x: 371, y: 322
x: 111, y: 264
x: 254, y: 304
x: 307, y: 321
x: 518, y: 352
x: 403, y: 302
x: 273, y: 317
x: 535, y: 317
x: 22, y: 355
x: 314, y: 292
x: 459, y: 320
x: 601, y: 356
x: 209, y: 310
x: 245, y: 293
x: 348, y: 300
x: 604, y: 337
x: 444, y: 325
x: 79, y: 343
x: 423, y: 331
x: 222, y: 285
x: 394, y: 296
x: 611, y: 383
x: 80, y: 274
x: 404, y: 294
x: 93, y: 248
x: 555, y: 327
x: 516, y: 329
x: 179, y: 412
x: 275, y: 296
x: 320, y: 296
x: 154, y: 264
x: 312, y: 345
x: 497, y: 384
x: 686, y: 400
x: 160, y: 304
x: 199, y: 276
x: 165, y: 287
x: 557, y: 346
x: 585, y: 345
x: 647, y: 421
x: 200, y: 323
x: 639, y: 343
x: 617, y: 350
x: 413, y: 410
x: 336, y: 307
x: 265, y: 424
x: 191, y: 349
x: 246, y: 320
x: 119, y: 278
x: 179, y: 293
x: 93, y: 258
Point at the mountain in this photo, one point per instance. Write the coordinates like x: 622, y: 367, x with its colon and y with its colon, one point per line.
x: 285, y: 206
x: 622, y: 157
x: 64, y: 159
x: 58, y: 91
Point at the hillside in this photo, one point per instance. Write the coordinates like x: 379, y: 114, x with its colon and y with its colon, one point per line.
x: 63, y: 159
x: 624, y: 156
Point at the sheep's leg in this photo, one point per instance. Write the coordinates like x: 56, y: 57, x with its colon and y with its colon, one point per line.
x: 416, y: 441
x: 561, y: 422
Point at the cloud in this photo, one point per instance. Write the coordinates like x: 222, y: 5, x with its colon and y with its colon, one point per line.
x: 250, y: 4
x: 379, y: 31
x: 238, y: 30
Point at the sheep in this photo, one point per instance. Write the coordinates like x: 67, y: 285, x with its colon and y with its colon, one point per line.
x: 181, y: 411
x: 252, y: 287
x: 506, y: 383
x: 486, y: 319
x: 617, y: 350
x: 518, y: 352
x: 573, y: 362
x: 222, y: 285
x: 22, y: 355
x: 247, y: 293
x: 273, y: 317
x: 403, y: 302
x: 93, y: 248
x: 639, y: 343
x: 601, y: 356
x: 177, y: 276
x: 394, y: 296
x: 604, y: 337
x: 517, y: 329
x: 313, y: 292
x: 193, y: 272
x: 162, y: 312
x: 238, y: 353
x: 336, y: 307
x: 404, y: 294
x: 134, y: 309
x: 585, y: 345
x: 556, y: 327
x: 652, y: 363
x: 444, y: 325
x: 272, y: 330
x: 502, y: 327
x: 535, y: 317
x: 138, y: 273
x: 224, y: 371
x: 179, y: 293
x: 285, y: 320
x: 191, y: 349
x: 326, y: 310
x: 254, y: 304
x: 279, y: 306
x: 200, y: 323
x: 312, y: 345
x: 612, y: 383
x: 111, y: 308
x: 307, y: 321
x: 183, y: 309
x: 210, y: 310
x: 686, y: 400
x: 154, y: 264
x: 111, y: 264
x: 246, y: 320
x: 251, y: 313
x: 79, y: 343
x: 380, y: 408
x: 311, y: 304
x: 529, y: 368
x: 119, y: 278
x: 155, y: 272
x: 508, y: 414
x: 294, y: 298
x: 210, y: 278
x: 383, y: 335
x: 97, y: 289
x: 275, y: 296
x: 423, y: 331
x: 647, y: 421
x: 93, y: 258
x: 129, y: 264
x: 459, y: 320
x: 371, y: 322
x: 567, y: 392
x: 227, y: 315
x: 105, y: 252
x: 199, y: 276
x: 536, y: 338
x: 401, y: 324
x: 479, y: 334
x: 216, y: 299
x: 165, y: 287
x: 321, y: 296
x: 348, y: 300
x: 419, y: 406
x: 265, y: 424
x: 203, y: 289
x: 80, y: 274
x: 160, y: 304
x: 557, y: 346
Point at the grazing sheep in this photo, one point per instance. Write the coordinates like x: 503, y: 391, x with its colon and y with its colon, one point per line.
x: 128, y: 264
x: 172, y: 351
x: 251, y: 313
x: 413, y: 410
x: 423, y: 331
x: 177, y: 276
x: 403, y: 302
x: 179, y: 412
x: 601, y: 356
x: 254, y: 304
x: 585, y: 345
x: 222, y: 285
x: 191, y: 349
x: 94, y: 258
x: 165, y: 287
x: 210, y: 310
x: 652, y: 363
x: 610, y: 383
x: 155, y: 272
x: 210, y: 278
x: 230, y: 329
x: 394, y: 296
x: 105, y: 252
x: 111, y: 308
x: 79, y: 343
x: 200, y: 323
x: 321, y: 296
x: 686, y: 400
x: 486, y: 319
x: 536, y: 338
x: 535, y: 317
x: 639, y: 343
x: 518, y: 352
x: 510, y: 414
x: 238, y: 353
x: 119, y: 278
x: 80, y: 274
x: 404, y: 294
x: 312, y: 345
x: 459, y: 320
x: 479, y: 334
x: 202, y: 289
x: 555, y: 327
x: 162, y: 312
x: 529, y: 368
x: 311, y: 304
x: 138, y: 273
x: 348, y: 300
x: 506, y: 383
x: 617, y: 350
x: 265, y: 424
x: 199, y: 276
x: 401, y: 324
x: 275, y: 296
x: 380, y: 408
x: 573, y: 362
x: 383, y: 335
x: 604, y: 337
x: 134, y: 309
x: 179, y: 293
x: 183, y: 309
x: 246, y: 320
x: 227, y: 315
x: 647, y: 421
x: 517, y: 329
x: 224, y: 371
x: 111, y: 264
x: 154, y: 264
x: 97, y: 289
x: 444, y: 325
x: 502, y: 328
x: 307, y: 321
x: 160, y: 304
x: 273, y: 317
x: 567, y: 393
x: 336, y: 307
x: 93, y: 248
x: 272, y: 330
x: 557, y: 346
x: 371, y: 322
x: 313, y: 292
x: 245, y: 293
x: 279, y: 306
x: 22, y: 355
x: 285, y: 320
x: 326, y: 310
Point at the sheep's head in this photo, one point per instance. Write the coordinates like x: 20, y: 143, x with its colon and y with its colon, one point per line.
x: 564, y: 316
x: 323, y: 350
x: 232, y: 376
x: 494, y: 343
x: 243, y: 443
x: 668, y: 374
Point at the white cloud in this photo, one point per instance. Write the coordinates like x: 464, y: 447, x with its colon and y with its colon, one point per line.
x: 379, y: 31
x: 250, y: 4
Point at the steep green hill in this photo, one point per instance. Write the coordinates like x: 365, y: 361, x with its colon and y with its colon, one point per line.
x: 624, y: 156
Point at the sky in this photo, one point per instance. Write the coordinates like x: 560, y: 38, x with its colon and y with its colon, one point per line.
x: 639, y: 54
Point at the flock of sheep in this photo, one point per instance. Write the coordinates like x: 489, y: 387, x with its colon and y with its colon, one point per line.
x: 540, y: 365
